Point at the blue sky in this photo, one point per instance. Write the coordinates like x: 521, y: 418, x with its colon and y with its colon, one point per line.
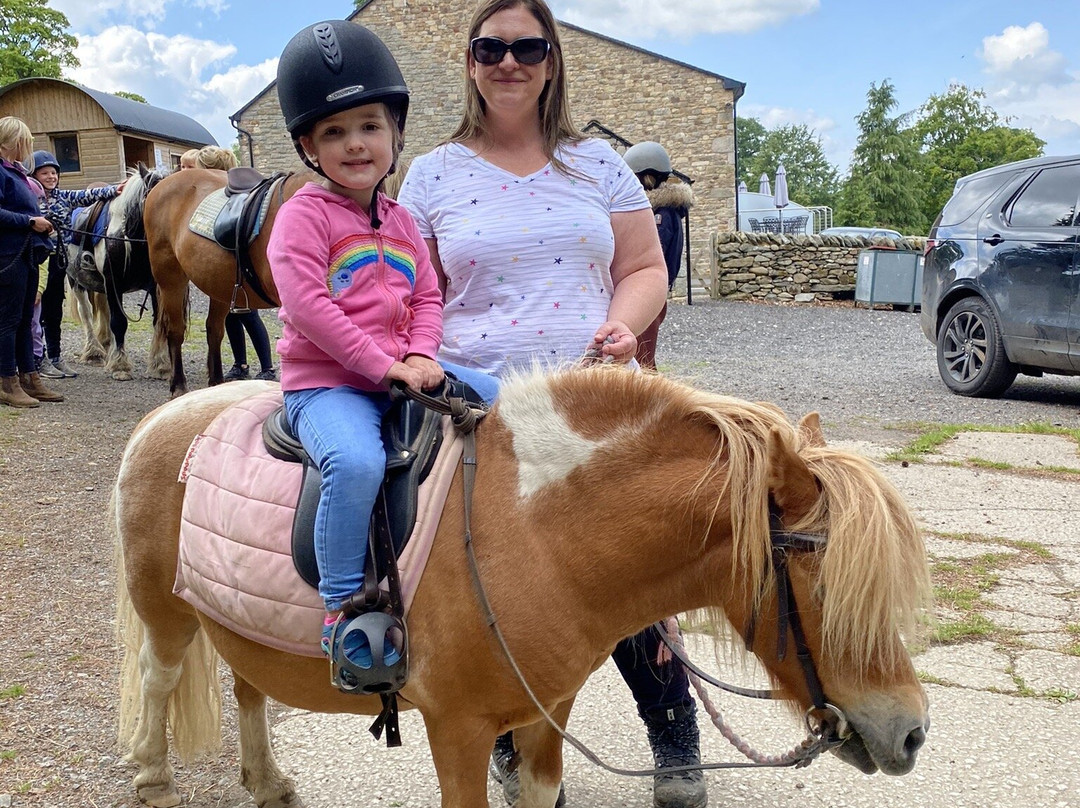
x: 803, y: 61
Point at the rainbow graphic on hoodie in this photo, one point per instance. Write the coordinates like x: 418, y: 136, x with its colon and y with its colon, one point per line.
x: 354, y: 253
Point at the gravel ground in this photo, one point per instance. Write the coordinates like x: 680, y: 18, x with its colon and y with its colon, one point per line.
x: 869, y: 373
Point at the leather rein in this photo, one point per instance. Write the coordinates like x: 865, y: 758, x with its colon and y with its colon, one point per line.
x: 826, y: 725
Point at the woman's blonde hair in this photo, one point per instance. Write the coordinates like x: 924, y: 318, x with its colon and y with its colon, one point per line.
x: 16, y: 139
x: 555, y: 123
x: 215, y: 157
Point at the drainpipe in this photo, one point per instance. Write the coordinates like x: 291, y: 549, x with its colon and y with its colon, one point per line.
x: 250, y: 140
x: 735, y: 139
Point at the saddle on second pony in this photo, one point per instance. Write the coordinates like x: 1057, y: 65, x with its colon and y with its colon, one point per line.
x: 239, y: 210
x: 88, y: 227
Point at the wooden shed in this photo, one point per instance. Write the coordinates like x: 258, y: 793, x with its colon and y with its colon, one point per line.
x: 97, y: 136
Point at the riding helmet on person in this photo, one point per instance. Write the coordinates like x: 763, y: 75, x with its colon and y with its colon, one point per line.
x: 649, y: 157
x: 333, y: 66
x: 44, y: 159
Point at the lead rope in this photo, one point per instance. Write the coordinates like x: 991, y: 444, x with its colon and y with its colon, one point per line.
x: 798, y: 757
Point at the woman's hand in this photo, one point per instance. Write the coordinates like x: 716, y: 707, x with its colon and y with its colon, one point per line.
x: 615, y: 339
x: 39, y: 224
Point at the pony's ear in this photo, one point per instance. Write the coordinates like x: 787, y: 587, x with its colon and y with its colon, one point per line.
x: 810, y: 430
x: 793, y: 487
x: 143, y: 169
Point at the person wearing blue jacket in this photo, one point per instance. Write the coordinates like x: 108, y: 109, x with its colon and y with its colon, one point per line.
x: 57, y: 207
x: 24, y: 245
x: 671, y: 201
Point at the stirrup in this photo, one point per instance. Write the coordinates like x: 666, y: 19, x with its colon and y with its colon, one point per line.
x: 381, y: 677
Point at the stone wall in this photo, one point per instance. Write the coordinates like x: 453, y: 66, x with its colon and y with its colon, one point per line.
x: 759, y: 266
x: 639, y: 95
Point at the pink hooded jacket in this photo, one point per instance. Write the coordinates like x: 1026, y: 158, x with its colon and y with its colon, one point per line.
x: 353, y: 299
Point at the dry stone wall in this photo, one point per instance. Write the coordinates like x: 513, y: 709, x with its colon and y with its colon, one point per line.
x: 755, y: 266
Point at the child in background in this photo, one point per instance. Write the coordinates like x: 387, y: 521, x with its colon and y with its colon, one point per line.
x: 57, y: 207
x: 188, y: 158
x: 360, y: 301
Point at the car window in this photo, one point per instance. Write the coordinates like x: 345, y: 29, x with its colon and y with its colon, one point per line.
x: 1049, y: 200
x: 970, y: 196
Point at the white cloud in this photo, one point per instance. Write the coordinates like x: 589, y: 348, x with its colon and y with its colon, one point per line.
x: 93, y: 16
x: 1023, y: 56
x: 648, y: 19
x: 181, y: 73
x: 1033, y: 86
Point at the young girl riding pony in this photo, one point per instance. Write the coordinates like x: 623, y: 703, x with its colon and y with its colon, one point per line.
x: 360, y: 301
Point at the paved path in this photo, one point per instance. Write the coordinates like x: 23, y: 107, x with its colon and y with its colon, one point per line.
x: 998, y: 735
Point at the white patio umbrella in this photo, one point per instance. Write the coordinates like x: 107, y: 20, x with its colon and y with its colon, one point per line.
x: 763, y: 185
x: 780, y: 198
x: 742, y: 185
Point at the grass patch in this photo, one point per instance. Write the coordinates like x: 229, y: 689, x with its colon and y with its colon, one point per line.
x: 12, y: 692
x: 934, y: 435
x: 8, y: 754
x: 972, y: 627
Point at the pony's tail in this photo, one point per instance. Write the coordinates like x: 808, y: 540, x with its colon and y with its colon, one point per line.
x: 194, y: 713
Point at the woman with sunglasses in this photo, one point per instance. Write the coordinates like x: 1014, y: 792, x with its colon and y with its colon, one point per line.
x: 545, y: 246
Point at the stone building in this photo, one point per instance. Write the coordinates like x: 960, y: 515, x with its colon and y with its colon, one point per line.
x: 97, y: 136
x: 634, y: 93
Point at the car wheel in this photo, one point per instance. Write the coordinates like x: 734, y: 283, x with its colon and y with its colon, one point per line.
x: 971, y: 358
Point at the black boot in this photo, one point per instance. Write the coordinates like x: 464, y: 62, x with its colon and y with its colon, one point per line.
x: 504, y: 763
x: 673, y: 736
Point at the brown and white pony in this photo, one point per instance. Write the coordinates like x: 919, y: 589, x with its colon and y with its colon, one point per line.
x: 178, y: 255
x: 604, y: 500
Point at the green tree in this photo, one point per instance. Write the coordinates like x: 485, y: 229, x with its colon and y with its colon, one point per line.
x: 812, y: 179
x: 885, y: 185
x: 749, y: 134
x: 959, y: 134
x: 33, y: 41
x: 130, y: 96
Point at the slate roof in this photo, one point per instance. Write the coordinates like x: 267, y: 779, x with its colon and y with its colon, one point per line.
x: 136, y: 117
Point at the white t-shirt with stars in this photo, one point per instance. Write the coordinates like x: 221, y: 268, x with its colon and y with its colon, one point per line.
x: 527, y: 259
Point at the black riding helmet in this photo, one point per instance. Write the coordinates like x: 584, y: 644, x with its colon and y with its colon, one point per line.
x: 332, y: 66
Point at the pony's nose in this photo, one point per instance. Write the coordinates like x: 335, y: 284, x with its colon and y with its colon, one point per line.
x: 912, y: 743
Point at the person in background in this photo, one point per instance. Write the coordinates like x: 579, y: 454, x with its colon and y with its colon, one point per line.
x: 57, y: 207
x: 360, y: 303
x: 188, y: 158
x: 37, y: 336
x: 546, y: 249
x: 24, y: 246
x: 671, y: 201
x: 236, y: 322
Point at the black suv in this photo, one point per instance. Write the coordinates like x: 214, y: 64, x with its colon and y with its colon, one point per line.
x: 1002, y: 274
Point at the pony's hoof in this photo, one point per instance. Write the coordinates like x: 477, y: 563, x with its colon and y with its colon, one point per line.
x: 162, y: 375
x: 122, y: 375
x: 160, y: 796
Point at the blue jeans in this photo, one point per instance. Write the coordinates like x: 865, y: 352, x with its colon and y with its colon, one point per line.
x: 340, y: 429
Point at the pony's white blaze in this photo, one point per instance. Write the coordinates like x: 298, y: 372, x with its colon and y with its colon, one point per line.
x: 546, y: 447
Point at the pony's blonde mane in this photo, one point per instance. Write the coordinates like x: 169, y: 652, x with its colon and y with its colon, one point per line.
x: 872, y: 578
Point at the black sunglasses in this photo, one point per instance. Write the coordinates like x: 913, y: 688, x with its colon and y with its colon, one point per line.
x: 528, y: 50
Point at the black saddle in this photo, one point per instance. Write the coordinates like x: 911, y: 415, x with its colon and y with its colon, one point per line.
x: 87, y: 229
x: 238, y: 223
x: 412, y: 436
